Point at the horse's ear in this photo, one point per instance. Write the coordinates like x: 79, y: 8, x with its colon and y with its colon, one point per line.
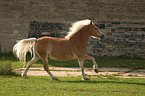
x: 91, y: 22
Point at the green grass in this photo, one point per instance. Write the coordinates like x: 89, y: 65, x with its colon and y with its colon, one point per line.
x: 70, y: 86
x: 108, y: 62
x: 74, y: 86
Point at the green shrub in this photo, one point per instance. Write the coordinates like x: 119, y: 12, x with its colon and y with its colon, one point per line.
x: 7, y: 69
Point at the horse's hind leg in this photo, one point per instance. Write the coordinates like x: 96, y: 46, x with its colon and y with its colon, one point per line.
x: 81, y: 63
x: 30, y: 63
x: 45, y: 62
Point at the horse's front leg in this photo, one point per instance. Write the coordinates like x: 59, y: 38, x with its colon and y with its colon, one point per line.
x: 81, y: 63
x: 95, y: 66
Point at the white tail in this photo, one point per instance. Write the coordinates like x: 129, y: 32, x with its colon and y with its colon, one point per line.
x: 22, y: 47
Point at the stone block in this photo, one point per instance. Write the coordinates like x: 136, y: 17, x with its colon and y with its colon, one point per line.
x: 127, y: 28
x: 143, y: 29
x: 102, y: 26
x: 115, y: 23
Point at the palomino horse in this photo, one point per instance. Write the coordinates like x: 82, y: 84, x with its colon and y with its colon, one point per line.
x: 73, y: 46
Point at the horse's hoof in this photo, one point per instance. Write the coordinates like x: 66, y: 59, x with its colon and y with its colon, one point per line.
x: 86, y: 78
x: 54, y: 78
x: 96, y: 70
x: 26, y: 77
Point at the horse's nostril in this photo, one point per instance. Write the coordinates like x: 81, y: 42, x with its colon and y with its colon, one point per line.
x: 102, y: 36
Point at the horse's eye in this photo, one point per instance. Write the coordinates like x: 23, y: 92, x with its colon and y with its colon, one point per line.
x: 95, y: 28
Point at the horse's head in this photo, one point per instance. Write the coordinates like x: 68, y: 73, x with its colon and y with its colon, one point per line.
x: 95, y: 32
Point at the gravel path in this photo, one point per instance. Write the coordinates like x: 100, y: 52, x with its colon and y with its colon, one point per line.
x: 104, y: 72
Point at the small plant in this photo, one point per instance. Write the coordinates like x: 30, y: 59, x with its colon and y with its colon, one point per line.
x: 130, y: 75
x: 6, y: 69
x: 133, y: 75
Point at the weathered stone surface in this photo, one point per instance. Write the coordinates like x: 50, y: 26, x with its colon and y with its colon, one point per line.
x: 122, y: 22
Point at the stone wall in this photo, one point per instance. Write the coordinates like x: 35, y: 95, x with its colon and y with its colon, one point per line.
x: 121, y: 38
x: 122, y: 22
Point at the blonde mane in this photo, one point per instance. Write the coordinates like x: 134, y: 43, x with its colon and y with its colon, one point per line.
x: 76, y: 27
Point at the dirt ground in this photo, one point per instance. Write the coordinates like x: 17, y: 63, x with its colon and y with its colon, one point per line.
x: 104, y: 72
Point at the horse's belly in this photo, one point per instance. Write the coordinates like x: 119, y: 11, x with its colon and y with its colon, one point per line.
x: 61, y: 56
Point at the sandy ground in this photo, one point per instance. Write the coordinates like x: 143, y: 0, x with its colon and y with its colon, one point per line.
x: 62, y: 71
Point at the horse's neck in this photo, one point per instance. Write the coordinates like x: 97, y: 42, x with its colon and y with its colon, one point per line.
x: 80, y: 39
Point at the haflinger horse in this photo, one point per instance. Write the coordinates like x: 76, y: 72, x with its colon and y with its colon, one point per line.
x: 73, y: 46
